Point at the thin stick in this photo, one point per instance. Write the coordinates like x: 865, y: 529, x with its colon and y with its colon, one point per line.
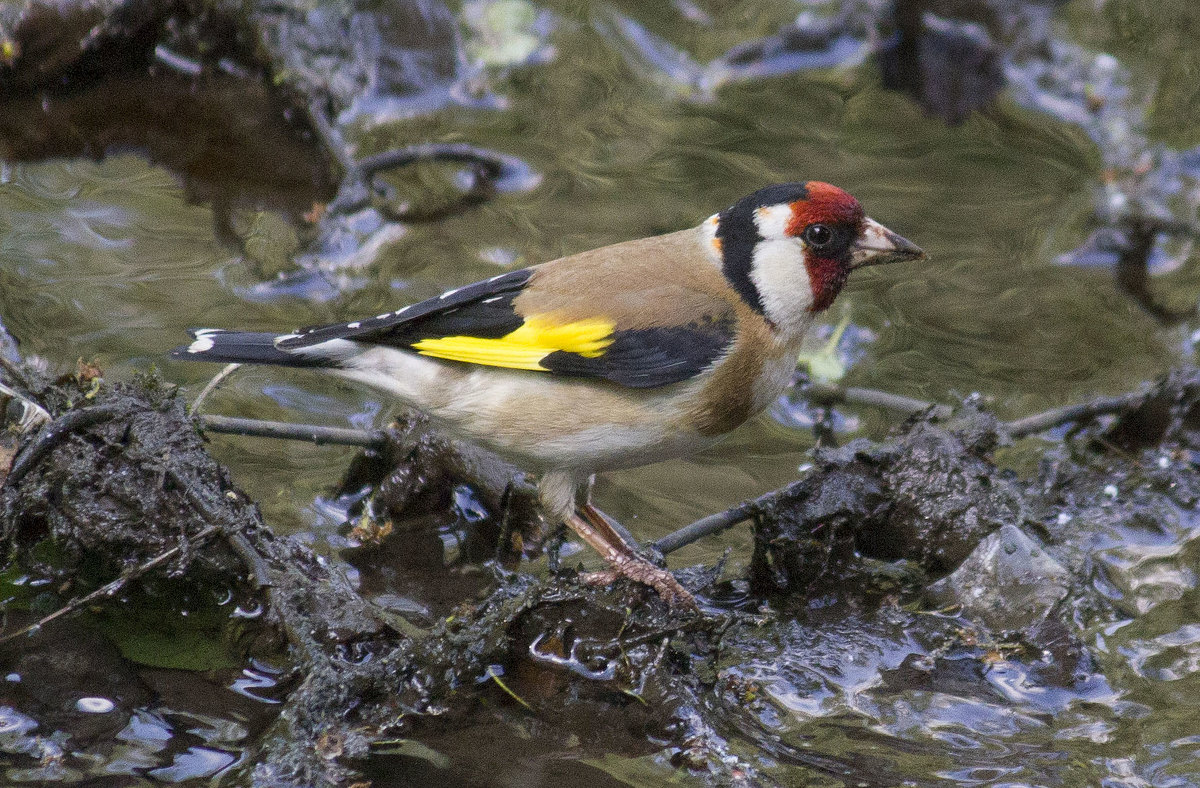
x: 237, y: 540
x: 831, y: 393
x: 217, y: 380
x: 718, y: 522
x: 14, y: 371
x: 112, y: 588
x: 1038, y: 422
x: 375, y: 439
x: 492, y: 163
x: 230, y: 425
x: 258, y: 565
x: 54, y: 433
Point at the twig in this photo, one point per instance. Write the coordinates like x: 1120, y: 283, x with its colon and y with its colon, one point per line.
x: 237, y: 540
x: 492, y: 163
x: 831, y: 393
x: 112, y: 588
x: 718, y: 522
x: 374, y: 439
x: 257, y: 563
x: 211, y: 386
x: 53, y: 434
x: 489, y: 169
x: 1019, y: 428
x: 14, y: 372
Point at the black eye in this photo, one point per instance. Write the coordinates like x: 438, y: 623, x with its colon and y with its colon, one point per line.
x: 817, y: 235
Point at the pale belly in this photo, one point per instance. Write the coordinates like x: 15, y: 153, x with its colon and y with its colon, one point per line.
x: 543, y: 422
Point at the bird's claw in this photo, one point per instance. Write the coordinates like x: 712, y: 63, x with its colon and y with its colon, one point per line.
x: 639, y: 570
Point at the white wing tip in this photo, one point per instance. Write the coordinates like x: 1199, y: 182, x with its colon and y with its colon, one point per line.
x: 202, y: 344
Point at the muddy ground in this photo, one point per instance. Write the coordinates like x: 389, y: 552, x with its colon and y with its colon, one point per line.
x: 950, y: 558
x: 868, y: 543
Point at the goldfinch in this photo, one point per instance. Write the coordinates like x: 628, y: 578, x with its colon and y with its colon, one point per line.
x: 618, y: 357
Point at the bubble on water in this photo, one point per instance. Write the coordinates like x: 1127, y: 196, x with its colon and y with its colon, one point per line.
x: 94, y: 705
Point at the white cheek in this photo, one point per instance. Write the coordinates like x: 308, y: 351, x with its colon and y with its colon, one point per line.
x: 779, y: 273
x: 772, y: 221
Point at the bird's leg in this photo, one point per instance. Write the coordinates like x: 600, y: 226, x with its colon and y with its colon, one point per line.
x: 595, y: 528
x: 558, y: 491
x: 595, y: 515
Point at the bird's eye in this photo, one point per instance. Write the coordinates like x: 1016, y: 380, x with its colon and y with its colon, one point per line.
x: 817, y: 235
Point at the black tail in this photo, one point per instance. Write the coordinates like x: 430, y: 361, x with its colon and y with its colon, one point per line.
x: 243, y: 347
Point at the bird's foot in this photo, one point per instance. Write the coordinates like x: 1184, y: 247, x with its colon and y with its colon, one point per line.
x: 639, y: 570
x: 623, y: 560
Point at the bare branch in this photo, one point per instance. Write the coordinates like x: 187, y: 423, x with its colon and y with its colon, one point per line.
x: 375, y: 439
x: 211, y: 386
x: 53, y: 434
x: 821, y: 393
x: 832, y: 394
x: 1039, y: 422
x: 109, y: 590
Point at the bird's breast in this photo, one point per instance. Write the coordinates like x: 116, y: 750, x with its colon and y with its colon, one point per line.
x: 746, y: 381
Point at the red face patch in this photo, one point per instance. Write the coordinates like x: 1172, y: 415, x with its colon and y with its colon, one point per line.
x: 826, y: 204
x: 826, y: 278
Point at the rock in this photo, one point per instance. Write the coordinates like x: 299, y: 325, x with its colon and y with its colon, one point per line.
x: 1008, y: 584
x: 928, y: 496
x: 945, y: 495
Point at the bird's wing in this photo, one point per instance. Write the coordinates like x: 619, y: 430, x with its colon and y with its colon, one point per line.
x: 500, y: 322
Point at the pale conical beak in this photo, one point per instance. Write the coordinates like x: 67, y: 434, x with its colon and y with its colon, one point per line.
x: 878, y: 245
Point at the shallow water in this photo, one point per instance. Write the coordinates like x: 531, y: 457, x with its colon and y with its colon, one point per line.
x: 111, y: 260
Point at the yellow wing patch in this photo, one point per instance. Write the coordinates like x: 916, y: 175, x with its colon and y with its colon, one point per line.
x: 524, y: 348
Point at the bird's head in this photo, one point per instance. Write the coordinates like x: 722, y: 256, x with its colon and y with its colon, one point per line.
x: 787, y: 249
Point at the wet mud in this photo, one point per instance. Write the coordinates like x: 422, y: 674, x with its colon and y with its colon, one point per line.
x: 846, y: 561
x: 437, y: 646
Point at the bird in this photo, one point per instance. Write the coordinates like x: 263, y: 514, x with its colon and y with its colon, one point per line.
x: 621, y: 356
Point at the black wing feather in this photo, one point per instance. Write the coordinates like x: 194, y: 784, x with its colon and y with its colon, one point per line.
x: 482, y: 309
x: 637, y: 358
x: 650, y: 357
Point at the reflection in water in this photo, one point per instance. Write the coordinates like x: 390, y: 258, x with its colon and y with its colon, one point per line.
x: 113, y: 259
x: 72, y: 710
